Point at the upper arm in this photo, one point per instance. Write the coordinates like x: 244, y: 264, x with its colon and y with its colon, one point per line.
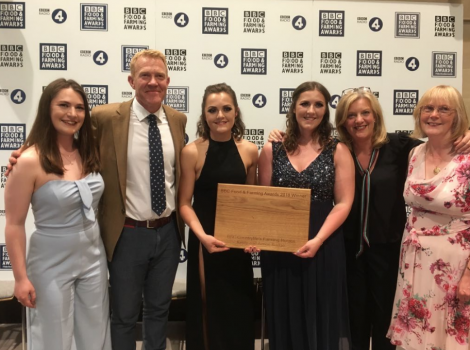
x: 251, y: 170
x: 188, y: 174
x: 19, y: 189
x: 265, y: 165
x: 344, y: 175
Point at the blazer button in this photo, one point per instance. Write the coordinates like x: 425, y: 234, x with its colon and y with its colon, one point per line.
x: 123, y: 211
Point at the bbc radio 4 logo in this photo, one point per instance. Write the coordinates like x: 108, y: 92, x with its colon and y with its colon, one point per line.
x: 12, y: 136
x: 12, y: 15
x: 177, y: 98
x: 127, y: 52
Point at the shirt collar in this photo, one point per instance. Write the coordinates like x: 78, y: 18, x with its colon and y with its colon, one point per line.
x: 141, y: 113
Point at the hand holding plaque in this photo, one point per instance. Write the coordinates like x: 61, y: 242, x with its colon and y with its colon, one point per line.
x: 270, y: 218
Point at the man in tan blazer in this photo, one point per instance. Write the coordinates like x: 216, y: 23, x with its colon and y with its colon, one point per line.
x: 142, y: 247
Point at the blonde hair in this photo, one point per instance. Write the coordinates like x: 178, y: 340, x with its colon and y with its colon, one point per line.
x: 452, y: 97
x: 379, y: 136
x: 148, y: 53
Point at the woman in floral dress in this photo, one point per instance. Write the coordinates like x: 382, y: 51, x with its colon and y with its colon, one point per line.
x: 432, y: 300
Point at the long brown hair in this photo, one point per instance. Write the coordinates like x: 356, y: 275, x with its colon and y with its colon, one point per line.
x: 323, y: 131
x: 238, y: 128
x: 43, y: 135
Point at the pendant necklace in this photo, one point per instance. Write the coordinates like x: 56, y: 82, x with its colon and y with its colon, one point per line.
x: 69, y: 157
x: 436, y: 169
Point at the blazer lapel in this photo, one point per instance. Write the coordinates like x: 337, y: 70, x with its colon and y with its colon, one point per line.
x: 121, y: 136
x: 173, y: 124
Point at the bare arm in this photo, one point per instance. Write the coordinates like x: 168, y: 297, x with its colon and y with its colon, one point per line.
x: 265, y: 165
x: 18, y: 191
x: 188, y: 160
x: 251, y: 169
x: 344, y: 196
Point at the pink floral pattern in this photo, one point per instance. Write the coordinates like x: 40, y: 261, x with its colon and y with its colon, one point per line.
x: 427, y: 314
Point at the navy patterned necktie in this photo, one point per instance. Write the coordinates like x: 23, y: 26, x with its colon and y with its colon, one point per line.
x: 157, y: 168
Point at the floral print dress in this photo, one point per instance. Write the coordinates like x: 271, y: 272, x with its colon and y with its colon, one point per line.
x: 434, y: 253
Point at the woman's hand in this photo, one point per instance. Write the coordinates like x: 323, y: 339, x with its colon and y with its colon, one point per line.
x: 25, y: 293
x: 276, y: 135
x: 213, y: 245
x: 310, y: 249
x: 463, y: 288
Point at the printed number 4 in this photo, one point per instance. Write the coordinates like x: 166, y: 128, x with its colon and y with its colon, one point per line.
x: 59, y: 16
x: 181, y: 20
x: 376, y: 24
x: 221, y: 61
x: 412, y: 64
x: 299, y: 23
x: 100, y: 58
x: 259, y: 101
x: 18, y: 97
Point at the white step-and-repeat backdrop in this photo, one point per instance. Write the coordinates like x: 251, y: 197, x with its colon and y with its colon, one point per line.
x: 263, y: 49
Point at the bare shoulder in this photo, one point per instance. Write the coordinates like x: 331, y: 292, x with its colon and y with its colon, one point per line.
x: 247, y: 146
x: 342, y: 153
x: 194, y: 148
x: 29, y: 157
x: 342, y: 148
x: 27, y: 165
x: 268, y: 147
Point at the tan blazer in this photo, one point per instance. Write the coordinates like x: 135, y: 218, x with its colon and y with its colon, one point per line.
x: 111, y: 127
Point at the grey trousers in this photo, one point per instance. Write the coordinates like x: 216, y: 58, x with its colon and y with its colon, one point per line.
x: 69, y: 273
x: 144, y: 265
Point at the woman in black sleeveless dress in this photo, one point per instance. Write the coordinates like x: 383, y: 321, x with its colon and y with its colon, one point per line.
x: 220, y: 296
x: 305, y: 292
